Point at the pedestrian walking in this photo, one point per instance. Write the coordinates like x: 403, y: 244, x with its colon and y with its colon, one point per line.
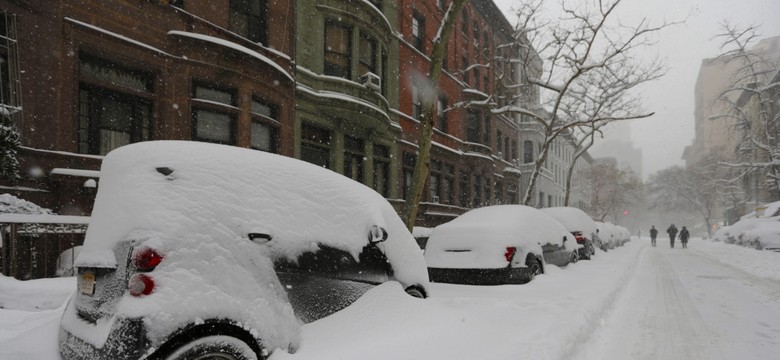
x: 653, y: 235
x: 672, y: 231
x: 684, y: 235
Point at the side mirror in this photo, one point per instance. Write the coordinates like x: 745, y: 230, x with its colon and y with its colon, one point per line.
x: 377, y: 235
x: 260, y: 238
x: 565, y: 238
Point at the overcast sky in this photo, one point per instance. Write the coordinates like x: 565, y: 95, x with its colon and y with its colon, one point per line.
x: 663, y: 137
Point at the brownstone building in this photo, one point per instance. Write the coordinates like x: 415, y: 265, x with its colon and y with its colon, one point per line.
x: 336, y: 83
x: 81, y: 78
x: 91, y: 76
x: 474, y: 152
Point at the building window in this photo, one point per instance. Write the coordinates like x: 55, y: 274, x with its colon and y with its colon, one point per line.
x: 448, y: 185
x: 486, y: 190
x: 434, y: 181
x: 485, y: 129
x: 513, y: 195
x: 315, y: 145
x: 10, y: 93
x: 382, y: 170
x: 408, y: 162
x: 115, y: 106
x: 354, y: 153
x: 338, y: 50
x: 416, y: 102
x: 476, y: 199
x: 418, y: 31
x: 473, y: 125
x: 475, y: 35
x: 214, y: 115
x: 514, y: 149
x: 463, y: 198
x: 499, y: 136
x: 528, y: 151
x: 440, y: 4
x: 441, y: 109
x: 249, y: 18
x: 367, y: 55
x: 498, y: 197
x: 384, y: 73
x: 263, y: 130
x: 507, y: 152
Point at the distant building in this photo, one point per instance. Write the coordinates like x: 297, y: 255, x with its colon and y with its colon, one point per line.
x: 626, y: 155
x: 718, y: 136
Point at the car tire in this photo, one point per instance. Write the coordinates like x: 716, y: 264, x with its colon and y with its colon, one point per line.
x: 217, y: 347
x: 535, y: 266
x: 575, y: 256
x: 416, y: 291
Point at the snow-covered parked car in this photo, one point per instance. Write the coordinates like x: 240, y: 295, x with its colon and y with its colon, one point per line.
x: 498, y: 245
x: 198, y: 249
x: 761, y: 233
x: 606, y: 234
x: 579, y: 224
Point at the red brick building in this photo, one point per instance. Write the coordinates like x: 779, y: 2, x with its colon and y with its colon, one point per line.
x: 91, y: 76
x: 473, y: 155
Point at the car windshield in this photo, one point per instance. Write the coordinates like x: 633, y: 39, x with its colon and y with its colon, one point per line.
x: 258, y: 179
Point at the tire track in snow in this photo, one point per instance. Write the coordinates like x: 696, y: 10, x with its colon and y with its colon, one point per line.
x: 597, y: 318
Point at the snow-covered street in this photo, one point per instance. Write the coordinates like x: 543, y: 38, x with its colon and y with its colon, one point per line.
x: 681, y: 304
x: 711, y: 301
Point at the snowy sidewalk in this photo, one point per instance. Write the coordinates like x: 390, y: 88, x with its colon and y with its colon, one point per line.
x: 607, y: 308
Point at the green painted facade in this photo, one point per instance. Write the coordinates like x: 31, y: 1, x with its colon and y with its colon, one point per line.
x: 351, y: 113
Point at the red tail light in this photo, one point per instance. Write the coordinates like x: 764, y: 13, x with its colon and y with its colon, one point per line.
x: 140, y: 285
x: 510, y: 253
x: 146, y: 258
x: 578, y: 236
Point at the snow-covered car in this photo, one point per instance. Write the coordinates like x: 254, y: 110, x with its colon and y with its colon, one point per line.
x: 198, y: 249
x: 579, y: 224
x: 606, y: 233
x: 761, y: 233
x: 500, y: 244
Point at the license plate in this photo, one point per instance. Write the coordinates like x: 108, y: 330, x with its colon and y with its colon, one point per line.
x: 88, y: 283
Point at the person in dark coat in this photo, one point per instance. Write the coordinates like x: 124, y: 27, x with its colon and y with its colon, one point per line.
x: 672, y: 231
x: 653, y: 235
x: 684, y: 235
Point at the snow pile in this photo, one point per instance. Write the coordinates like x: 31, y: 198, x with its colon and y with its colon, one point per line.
x: 758, y: 233
x: 479, y: 238
x: 10, y: 204
x: 42, y: 294
x: 196, y: 203
x: 770, y: 210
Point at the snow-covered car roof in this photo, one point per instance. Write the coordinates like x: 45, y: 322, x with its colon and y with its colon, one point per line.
x: 192, y: 189
x: 573, y: 219
x: 493, y: 227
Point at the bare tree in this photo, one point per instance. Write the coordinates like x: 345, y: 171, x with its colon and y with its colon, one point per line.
x: 428, y: 100
x: 696, y: 188
x: 588, y: 66
x: 752, y: 103
x: 609, y: 189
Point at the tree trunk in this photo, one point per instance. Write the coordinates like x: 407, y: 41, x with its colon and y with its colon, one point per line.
x: 425, y: 130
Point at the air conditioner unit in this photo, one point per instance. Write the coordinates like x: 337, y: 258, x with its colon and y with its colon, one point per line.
x: 371, y: 81
x: 435, y: 199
